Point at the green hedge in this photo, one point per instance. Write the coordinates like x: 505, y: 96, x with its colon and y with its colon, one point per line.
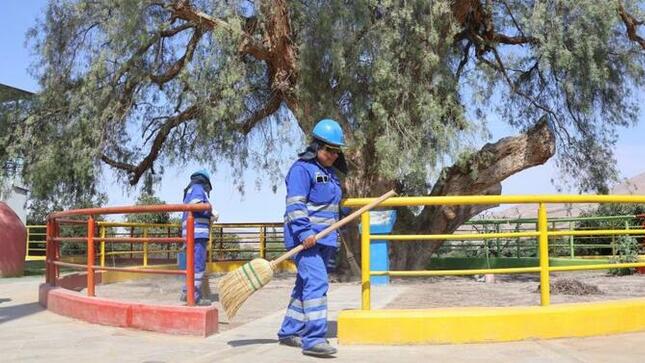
x: 462, y: 263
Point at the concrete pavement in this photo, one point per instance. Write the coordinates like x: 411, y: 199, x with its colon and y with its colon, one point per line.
x: 29, y: 333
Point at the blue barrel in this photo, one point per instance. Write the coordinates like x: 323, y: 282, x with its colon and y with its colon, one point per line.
x: 381, y: 222
x: 379, y: 261
x: 181, y: 260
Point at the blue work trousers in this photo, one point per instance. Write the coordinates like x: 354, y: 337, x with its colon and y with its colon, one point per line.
x: 200, y: 267
x: 306, y: 314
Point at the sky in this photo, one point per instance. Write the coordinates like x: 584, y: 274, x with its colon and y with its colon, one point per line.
x: 260, y: 204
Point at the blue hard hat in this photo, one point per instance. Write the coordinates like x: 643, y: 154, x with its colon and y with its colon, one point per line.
x: 202, y: 172
x: 330, y: 132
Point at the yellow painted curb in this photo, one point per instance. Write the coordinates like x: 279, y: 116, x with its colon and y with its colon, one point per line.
x: 473, y: 325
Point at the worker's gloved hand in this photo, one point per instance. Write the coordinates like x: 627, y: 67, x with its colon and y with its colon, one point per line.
x: 214, y: 216
x: 309, y: 242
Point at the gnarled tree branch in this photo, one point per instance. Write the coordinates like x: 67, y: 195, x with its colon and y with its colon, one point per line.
x: 183, y: 10
x: 181, y: 62
x: 136, y: 171
x: 631, y: 24
x: 482, y: 174
x: 268, y: 109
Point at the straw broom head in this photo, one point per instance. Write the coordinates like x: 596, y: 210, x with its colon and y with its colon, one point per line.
x: 236, y: 286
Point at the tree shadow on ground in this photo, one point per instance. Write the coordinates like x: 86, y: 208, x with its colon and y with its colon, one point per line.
x: 9, y: 313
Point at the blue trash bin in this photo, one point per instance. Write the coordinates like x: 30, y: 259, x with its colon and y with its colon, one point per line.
x: 381, y: 222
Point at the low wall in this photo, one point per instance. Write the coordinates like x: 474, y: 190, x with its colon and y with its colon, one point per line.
x: 170, y: 319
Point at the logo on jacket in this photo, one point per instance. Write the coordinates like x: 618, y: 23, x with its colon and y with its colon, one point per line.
x: 321, y: 178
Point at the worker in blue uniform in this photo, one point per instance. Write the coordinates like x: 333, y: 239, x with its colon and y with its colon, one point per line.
x: 312, y: 204
x: 198, y: 191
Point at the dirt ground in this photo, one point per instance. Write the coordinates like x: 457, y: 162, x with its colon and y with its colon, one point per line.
x: 507, y: 290
x: 511, y: 290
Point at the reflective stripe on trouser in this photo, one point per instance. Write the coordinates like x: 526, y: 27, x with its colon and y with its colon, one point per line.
x: 306, y: 314
x: 200, y: 267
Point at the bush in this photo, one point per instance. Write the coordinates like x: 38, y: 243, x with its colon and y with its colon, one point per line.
x: 611, y: 209
x: 627, y: 251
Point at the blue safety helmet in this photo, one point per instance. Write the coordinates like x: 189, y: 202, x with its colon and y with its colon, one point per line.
x: 202, y: 172
x: 329, y: 132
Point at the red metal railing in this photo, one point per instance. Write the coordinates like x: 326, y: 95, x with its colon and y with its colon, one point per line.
x: 54, y: 221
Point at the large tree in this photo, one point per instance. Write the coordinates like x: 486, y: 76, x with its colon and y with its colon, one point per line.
x: 141, y: 84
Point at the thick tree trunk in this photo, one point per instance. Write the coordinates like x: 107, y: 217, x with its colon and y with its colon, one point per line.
x: 482, y: 175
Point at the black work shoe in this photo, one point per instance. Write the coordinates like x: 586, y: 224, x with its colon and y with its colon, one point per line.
x: 292, y: 341
x: 182, y: 297
x: 320, y: 350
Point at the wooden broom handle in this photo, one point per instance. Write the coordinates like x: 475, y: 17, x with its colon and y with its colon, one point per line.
x: 336, y: 225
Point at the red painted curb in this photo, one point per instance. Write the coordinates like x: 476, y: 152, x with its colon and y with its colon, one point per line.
x: 183, y: 320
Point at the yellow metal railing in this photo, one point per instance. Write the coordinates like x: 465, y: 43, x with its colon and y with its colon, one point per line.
x: 36, y: 243
x: 227, y: 241
x: 542, y: 234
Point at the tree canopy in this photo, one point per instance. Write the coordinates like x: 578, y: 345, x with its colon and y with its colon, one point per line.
x: 138, y: 85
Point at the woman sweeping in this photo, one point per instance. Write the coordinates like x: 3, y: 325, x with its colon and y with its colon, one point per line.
x: 312, y: 204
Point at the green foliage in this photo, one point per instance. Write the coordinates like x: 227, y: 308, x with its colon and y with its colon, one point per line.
x: 627, y: 253
x: 412, y: 82
x: 607, y: 210
x: 584, y: 73
x: 151, y: 219
x: 148, y: 218
x: 389, y: 76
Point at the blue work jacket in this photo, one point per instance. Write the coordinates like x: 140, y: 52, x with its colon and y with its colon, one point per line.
x: 197, y: 194
x: 312, y: 202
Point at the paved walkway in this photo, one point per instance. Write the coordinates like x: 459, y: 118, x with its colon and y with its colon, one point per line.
x: 28, y: 334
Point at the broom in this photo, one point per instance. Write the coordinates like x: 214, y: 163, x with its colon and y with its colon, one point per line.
x: 236, y: 286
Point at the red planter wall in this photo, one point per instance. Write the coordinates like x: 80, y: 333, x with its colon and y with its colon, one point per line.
x: 13, y: 239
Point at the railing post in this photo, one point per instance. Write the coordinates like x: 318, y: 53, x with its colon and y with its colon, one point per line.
x: 365, y: 261
x: 221, y: 243
x: 497, y: 242
x: 102, y: 246
x: 145, y: 247
x: 263, y: 241
x: 49, y: 255
x: 168, y: 246
x: 90, y: 256
x: 56, y: 247
x: 571, y: 248
x: 544, y: 256
x: 210, y: 244
x: 554, y: 239
x: 190, y: 259
x: 486, y: 247
x: 614, y: 248
x: 517, y: 241
x: 131, y: 245
x: 28, y: 242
